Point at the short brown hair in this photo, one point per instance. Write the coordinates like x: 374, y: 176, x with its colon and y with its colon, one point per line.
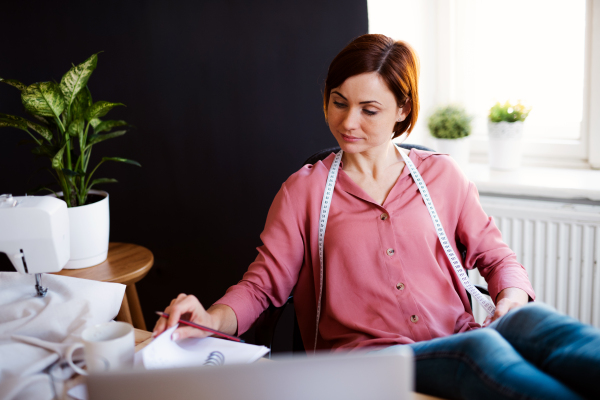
x: 395, y: 61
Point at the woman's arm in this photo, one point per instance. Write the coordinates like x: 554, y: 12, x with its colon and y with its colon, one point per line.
x: 507, y: 280
x: 219, y: 317
x: 269, y: 279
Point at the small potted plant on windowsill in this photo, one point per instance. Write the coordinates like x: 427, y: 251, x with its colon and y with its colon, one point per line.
x: 451, y: 127
x: 505, y: 129
x: 67, y: 124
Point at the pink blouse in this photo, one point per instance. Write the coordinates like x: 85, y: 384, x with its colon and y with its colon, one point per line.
x: 386, y: 279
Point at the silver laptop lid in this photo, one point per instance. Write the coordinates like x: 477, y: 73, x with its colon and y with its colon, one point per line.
x: 326, y: 377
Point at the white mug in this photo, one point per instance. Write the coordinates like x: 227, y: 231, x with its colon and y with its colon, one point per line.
x: 106, y: 346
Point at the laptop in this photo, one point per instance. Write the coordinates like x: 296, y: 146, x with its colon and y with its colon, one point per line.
x: 319, y: 377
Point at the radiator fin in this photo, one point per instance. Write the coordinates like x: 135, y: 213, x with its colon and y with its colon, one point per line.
x: 559, y: 246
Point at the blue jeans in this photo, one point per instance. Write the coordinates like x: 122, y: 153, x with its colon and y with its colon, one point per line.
x: 532, y: 352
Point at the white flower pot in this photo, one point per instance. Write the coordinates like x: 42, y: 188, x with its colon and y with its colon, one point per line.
x: 505, y: 144
x: 89, y: 228
x: 458, y: 149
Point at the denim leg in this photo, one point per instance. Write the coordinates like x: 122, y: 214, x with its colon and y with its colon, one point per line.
x: 480, y: 364
x: 557, y: 344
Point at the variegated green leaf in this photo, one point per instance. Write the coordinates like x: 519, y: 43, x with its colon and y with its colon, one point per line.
x: 108, y: 125
x: 123, y: 160
x: 75, y: 127
x: 42, y: 119
x: 13, y: 121
x: 72, y: 173
x: 24, y: 124
x: 43, y: 150
x: 14, y: 83
x: 95, y: 122
x: 81, y: 103
x: 57, y: 159
x: 44, y: 98
x: 100, y: 109
x: 42, y: 130
x: 93, y: 139
x: 76, y: 79
x: 101, y: 180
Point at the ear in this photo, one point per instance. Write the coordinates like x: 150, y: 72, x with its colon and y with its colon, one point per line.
x: 403, y: 111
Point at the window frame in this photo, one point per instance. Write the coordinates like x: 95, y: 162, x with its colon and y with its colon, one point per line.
x: 581, y: 153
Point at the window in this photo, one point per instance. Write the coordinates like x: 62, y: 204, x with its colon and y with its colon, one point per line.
x: 543, y: 52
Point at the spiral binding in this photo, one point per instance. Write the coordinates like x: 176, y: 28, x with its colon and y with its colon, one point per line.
x: 215, y: 358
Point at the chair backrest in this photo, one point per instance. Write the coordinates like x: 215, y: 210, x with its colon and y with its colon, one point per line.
x: 321, y: 155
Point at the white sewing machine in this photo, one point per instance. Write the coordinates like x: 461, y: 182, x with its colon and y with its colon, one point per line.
x: 34, y: 234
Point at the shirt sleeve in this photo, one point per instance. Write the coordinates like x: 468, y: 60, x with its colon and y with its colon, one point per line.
x: 272, y: 276
x: 496, y: 262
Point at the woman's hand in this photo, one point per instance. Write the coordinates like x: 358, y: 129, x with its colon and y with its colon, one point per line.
x: 219, y: 317
x: 507, y: 299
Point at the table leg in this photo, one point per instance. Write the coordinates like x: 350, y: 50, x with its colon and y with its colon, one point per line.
x: 124, y: 313
x: 135, y: 308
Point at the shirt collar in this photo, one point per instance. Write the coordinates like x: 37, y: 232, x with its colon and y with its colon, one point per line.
x: 346, y: 184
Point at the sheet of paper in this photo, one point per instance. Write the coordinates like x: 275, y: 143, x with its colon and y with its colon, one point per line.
x: 163, y: 352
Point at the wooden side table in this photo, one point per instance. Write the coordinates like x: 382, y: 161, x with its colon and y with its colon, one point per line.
x: 126, y: 263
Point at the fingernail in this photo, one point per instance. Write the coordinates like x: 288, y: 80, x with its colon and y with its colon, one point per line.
x: 175, y: 336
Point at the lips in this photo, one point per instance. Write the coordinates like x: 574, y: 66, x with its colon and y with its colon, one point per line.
x: 348, y: 138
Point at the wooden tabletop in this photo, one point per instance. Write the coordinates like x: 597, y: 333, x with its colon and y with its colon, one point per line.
x: 126, y: 263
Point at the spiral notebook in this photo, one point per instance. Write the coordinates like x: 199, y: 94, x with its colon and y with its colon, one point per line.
x: 163, y: 352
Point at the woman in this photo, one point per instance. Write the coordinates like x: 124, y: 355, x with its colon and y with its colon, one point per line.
x: 386, y: 279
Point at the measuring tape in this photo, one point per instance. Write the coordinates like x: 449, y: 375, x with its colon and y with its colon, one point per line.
x: 454, y: 260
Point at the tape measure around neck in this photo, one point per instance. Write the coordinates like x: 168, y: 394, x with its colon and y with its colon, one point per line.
x: 439, y: 229
x: 454, y: 260
x: 325, y: 204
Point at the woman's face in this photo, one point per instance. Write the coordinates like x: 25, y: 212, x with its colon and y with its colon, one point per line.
x: 362, y: 113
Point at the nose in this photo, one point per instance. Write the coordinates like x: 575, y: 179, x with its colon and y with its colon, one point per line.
x: 351, y: 120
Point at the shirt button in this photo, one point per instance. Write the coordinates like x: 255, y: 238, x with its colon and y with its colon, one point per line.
x: 384, y: 216
x: 414, y: 319
x: 400, y: 286
x: 390, y: 252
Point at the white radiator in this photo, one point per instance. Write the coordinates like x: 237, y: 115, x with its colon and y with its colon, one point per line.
x: 559, y: 246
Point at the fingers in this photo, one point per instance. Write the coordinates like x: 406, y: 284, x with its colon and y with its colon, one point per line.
x: 187, y: 331
x: 184, y: 305
x: 503, y: 306
x: 161, y: 324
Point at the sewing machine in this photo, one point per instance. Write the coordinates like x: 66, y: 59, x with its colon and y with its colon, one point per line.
x: 34, y: 234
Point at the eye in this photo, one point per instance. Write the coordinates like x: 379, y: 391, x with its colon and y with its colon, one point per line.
x: 339, y: 105
x: 369, y: 112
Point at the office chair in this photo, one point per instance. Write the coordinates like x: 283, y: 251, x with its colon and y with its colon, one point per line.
x: 266, y: 323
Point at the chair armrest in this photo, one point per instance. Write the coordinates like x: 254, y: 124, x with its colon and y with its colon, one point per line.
x: 483, y: 289
x: 266, y: 323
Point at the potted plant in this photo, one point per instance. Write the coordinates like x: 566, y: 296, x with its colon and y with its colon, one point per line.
x: 66, y: 125
x: 505, y: 129
x: 451, y: 127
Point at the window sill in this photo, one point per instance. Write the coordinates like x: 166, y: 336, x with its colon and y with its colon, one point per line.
x: 537, y: 182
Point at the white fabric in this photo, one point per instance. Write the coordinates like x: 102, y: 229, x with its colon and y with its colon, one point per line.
x: 72, y: 304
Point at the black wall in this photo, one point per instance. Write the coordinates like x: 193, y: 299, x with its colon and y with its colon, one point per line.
x: 226, y: 100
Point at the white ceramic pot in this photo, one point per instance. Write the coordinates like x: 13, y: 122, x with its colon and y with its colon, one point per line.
x: 90, y: 227
x: 505, y: 144
x: 456, y: 148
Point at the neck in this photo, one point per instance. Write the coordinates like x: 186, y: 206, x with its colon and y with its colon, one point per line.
x: 374, y: 161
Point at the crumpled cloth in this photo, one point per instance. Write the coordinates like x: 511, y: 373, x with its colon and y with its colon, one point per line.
x: 71, y: 305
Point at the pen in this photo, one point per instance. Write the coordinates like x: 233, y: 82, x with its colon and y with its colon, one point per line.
x: 204, y: 328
